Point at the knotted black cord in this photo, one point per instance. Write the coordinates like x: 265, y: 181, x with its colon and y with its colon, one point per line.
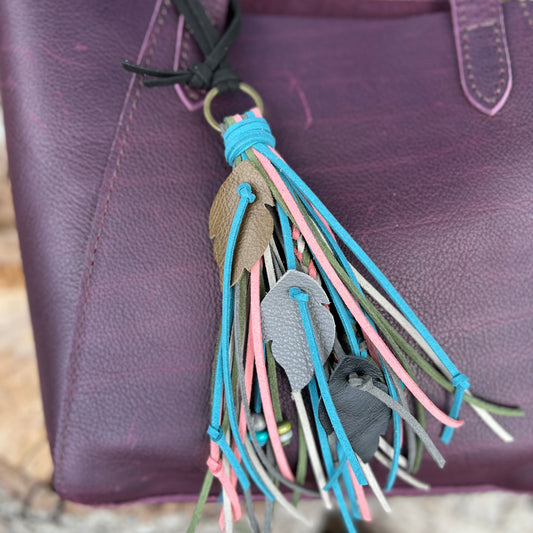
x: 215, y: 70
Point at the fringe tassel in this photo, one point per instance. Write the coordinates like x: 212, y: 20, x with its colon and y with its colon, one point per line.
x: 292, y: 299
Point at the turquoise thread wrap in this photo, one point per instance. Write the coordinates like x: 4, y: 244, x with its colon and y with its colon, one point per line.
x: 246, y: 134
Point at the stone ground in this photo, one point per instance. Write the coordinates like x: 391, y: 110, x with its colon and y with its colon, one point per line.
x: 29, y: 505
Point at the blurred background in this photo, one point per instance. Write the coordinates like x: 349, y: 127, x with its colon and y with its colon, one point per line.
x: 28, y: 503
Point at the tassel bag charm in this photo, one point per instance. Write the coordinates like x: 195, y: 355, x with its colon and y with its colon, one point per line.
x: 299, y: 312
x: 292, y: 296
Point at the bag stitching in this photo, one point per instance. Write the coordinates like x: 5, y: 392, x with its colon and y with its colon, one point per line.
x: 465, y: 47
x: 77, y: 350
x: 524, y: 4
x: 186, y: 51
x: 186, y: 42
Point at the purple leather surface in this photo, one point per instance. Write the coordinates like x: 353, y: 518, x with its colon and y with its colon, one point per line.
x: 344, y: 8
x: 113, y: 182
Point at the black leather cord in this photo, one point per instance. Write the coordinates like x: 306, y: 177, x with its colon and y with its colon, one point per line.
x: 215, y: 70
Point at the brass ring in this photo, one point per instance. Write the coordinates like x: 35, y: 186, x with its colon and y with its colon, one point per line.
x: 210, y: 96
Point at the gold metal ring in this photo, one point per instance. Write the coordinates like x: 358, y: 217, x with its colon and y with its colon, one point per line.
x: 210, y: 96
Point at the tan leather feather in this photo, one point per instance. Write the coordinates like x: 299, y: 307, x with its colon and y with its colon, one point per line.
x: 257, y: 225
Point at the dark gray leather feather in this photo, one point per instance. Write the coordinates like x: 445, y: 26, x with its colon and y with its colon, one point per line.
x: 363, y: 417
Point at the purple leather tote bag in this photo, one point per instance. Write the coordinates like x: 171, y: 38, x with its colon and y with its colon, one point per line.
x: 113, y: 182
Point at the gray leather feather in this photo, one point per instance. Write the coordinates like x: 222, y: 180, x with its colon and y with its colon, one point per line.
x: 282, y: 324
